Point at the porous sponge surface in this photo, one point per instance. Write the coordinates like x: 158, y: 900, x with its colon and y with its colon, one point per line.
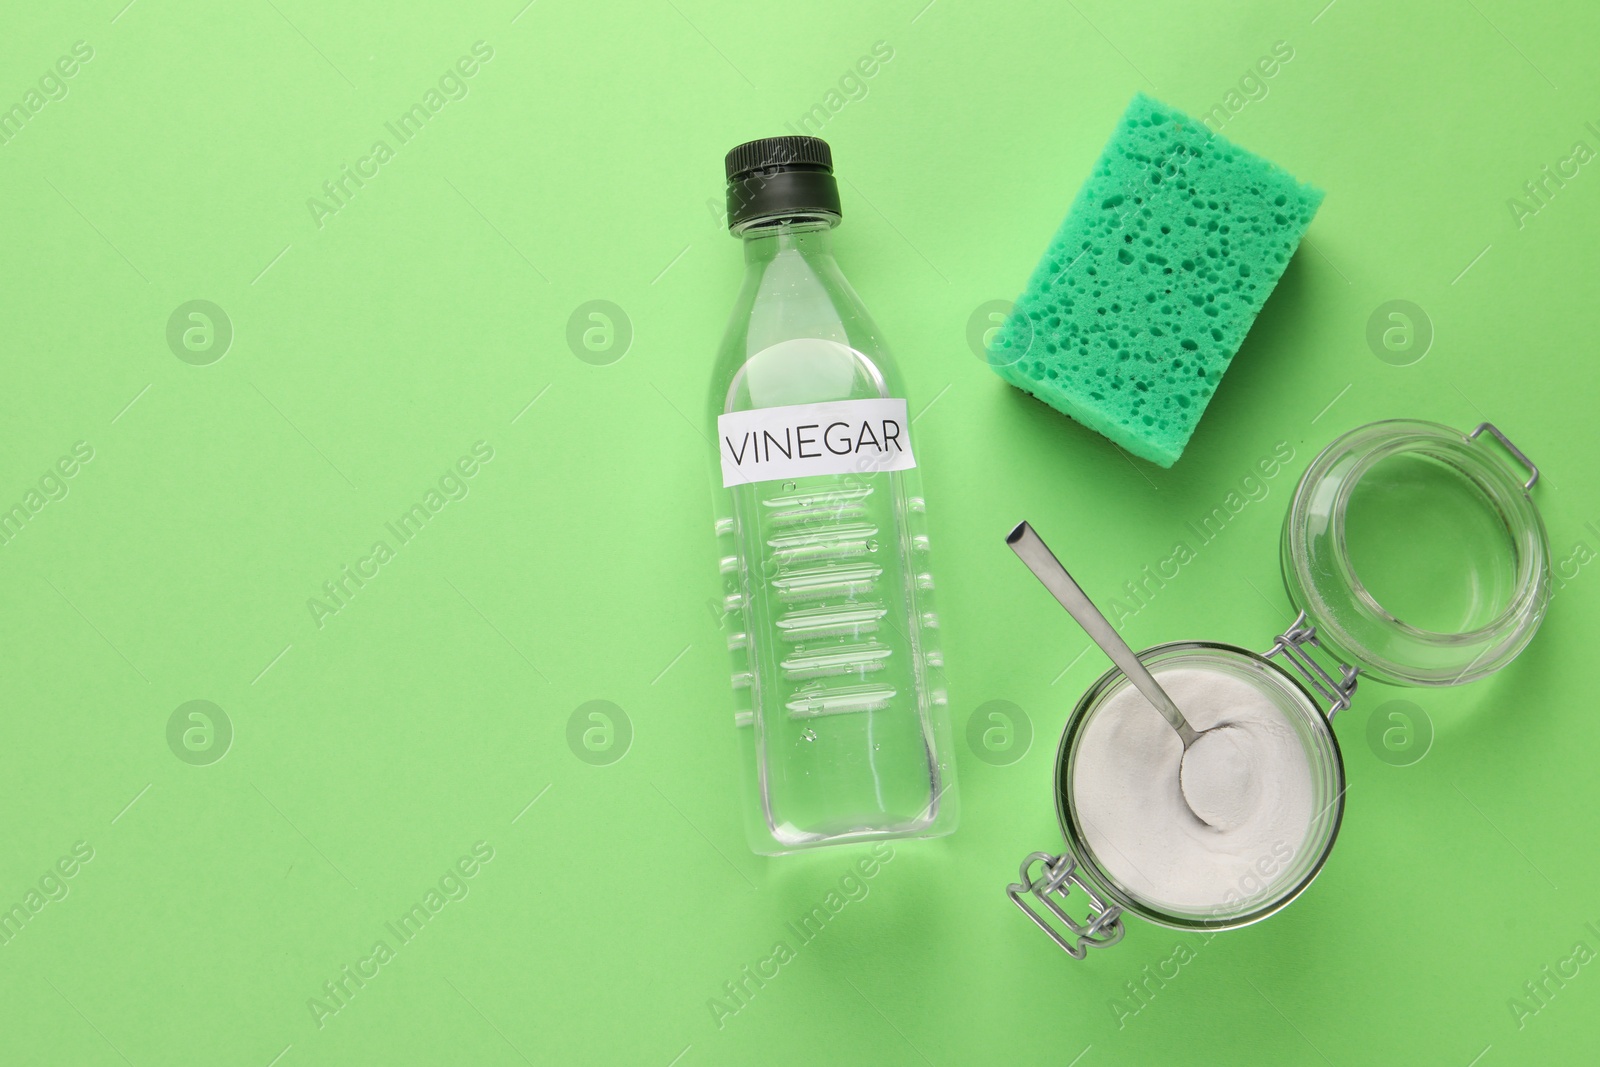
x: 1151, y: 283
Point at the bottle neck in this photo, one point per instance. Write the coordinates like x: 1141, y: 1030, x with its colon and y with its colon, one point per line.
x: 809, y: 239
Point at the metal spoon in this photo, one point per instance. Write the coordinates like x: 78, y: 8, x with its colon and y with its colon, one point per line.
x: 1032, y: 550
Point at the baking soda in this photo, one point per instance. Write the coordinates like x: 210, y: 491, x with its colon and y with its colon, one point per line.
x: 1204, y: 832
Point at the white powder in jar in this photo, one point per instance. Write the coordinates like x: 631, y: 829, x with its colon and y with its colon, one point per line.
x: 1136, y: 795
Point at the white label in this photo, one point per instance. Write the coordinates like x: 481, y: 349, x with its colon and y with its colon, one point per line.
x: 837, y: 437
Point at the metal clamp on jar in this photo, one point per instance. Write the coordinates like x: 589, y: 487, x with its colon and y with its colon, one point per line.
x: 1414, y: 556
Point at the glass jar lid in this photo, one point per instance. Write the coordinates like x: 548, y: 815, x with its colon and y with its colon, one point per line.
x: 1416, y: 552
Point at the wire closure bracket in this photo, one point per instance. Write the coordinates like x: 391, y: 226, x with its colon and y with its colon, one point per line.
x: 1294, y: 646
x: 1057, y: 875
x: 1505, y: 442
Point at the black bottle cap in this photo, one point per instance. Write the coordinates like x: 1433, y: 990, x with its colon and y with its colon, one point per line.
x: 777, y: 177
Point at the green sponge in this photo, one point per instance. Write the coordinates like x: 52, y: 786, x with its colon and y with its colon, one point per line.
x: 1152, y: 281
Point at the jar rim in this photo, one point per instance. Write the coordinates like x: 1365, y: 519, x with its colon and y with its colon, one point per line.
x: 1096, y: 695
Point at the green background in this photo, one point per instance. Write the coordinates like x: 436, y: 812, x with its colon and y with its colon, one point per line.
x: 369, y: 354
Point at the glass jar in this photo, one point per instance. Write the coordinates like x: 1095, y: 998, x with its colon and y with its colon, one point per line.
x: 1415, y: 556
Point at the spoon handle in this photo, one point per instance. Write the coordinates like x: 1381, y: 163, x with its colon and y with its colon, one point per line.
x: 1032, y: 550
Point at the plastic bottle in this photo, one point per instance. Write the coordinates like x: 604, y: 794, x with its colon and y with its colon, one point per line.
x: 824, y: 555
